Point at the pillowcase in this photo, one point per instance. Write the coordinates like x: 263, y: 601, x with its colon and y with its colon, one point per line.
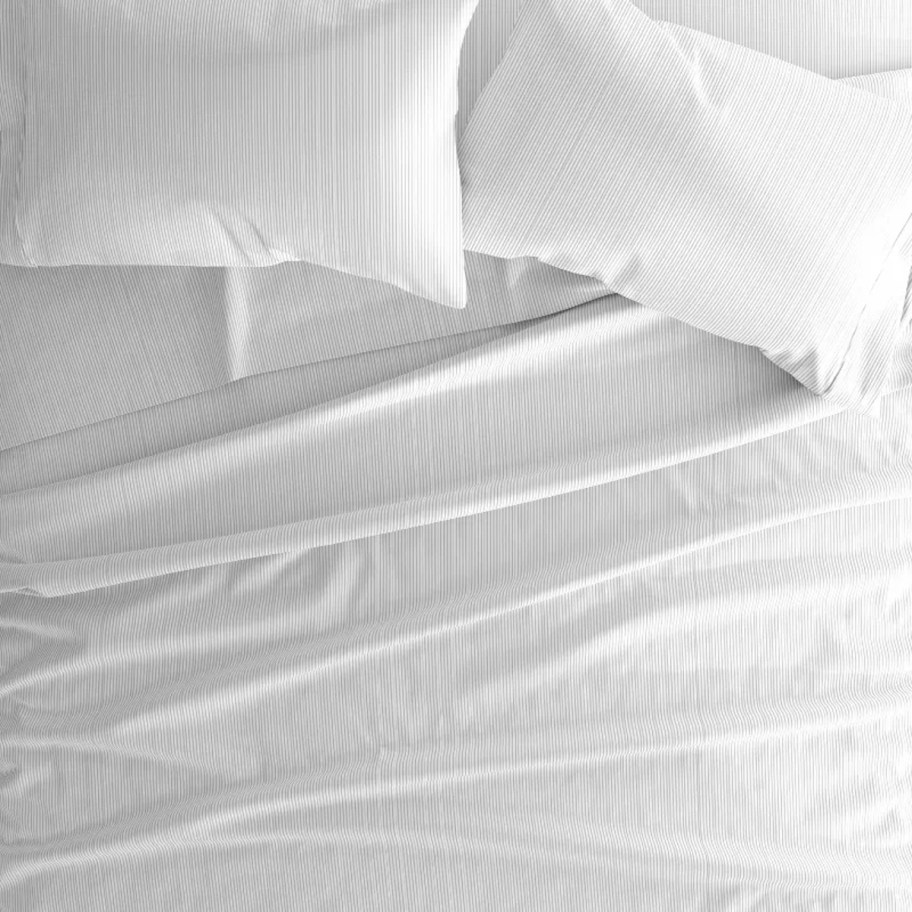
x: 230, y: 133
x: 836, y: 38
x: 733, y: 191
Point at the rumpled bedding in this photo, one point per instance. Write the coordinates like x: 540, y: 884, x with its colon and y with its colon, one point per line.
x: 510, y: 623
x: 580, y: 609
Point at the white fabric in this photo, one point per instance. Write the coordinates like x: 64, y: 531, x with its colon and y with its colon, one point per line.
x: 600, y: 612
x: 225, y: 133
x: 82, y: 345
x: 745, y: 196
x: 594, y: 611
x: 836, y: 38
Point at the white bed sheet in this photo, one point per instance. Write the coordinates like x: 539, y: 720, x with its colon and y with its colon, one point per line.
x: 81, y: 345
x: 598, y: 609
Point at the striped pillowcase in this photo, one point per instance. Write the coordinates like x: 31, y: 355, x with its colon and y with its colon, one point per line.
x: 733, y: 191
x: 231, y: 133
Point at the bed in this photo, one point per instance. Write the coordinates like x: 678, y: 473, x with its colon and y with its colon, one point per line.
x: 316, y: 596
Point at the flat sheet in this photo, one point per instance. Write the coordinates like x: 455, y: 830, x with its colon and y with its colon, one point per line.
x: 593, y: 610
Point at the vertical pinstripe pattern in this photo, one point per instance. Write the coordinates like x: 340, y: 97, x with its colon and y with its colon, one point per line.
x: 11, y: 100
x: 225, y: 133
x: 151, y: 335
x: 594, y: 611
x: 572, y: 639
x: 84, y: 344
x: 835, y: 38
x: 750, y: 198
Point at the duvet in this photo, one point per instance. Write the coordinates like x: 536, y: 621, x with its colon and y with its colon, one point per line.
x: 557, y: 602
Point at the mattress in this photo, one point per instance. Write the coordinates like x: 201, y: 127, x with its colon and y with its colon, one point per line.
x: 553, y: 603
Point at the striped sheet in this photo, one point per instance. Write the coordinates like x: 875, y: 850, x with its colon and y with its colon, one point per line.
x: 599, y: 609
x: 82, y: 345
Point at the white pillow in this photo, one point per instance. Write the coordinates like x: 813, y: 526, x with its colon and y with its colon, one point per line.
x: 733, y: 191
x: 231, y: 133
x: 836, y: 38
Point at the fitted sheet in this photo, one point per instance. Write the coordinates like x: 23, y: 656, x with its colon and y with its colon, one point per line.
x: 592, y: 609
x: 80, y: 345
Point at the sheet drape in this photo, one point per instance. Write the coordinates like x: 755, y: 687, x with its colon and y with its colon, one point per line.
x: 529, y: 622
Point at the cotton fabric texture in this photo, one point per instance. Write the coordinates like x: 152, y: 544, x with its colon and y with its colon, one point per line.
x: 591, y: 611
x: 744, y: 196
x: 229, y: 133
x: 508, y: 624
x: 836, y: 38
